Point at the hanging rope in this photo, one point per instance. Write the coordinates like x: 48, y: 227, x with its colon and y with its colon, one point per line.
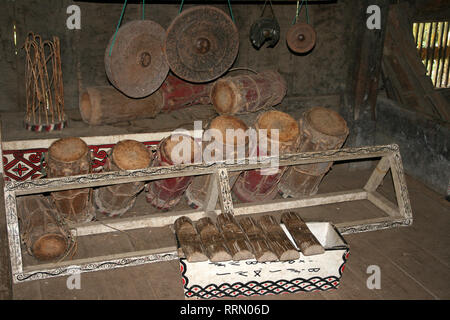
x: 299, y: 9
x: 143, y: 9
x: 229, y: 7
x: 231, y: 10
x: 118, y: 25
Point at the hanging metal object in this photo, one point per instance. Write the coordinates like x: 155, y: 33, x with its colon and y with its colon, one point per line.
x: 301, y: 37
x: 201, y: 44
x: 136, y: 65
x: 265, y: 29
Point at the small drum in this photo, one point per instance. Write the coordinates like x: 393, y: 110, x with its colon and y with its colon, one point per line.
x: 177, y: 149
x: 197, y: 190
x: 117, y: 199
x: 248, y: 93
x: 70, y: 157
x: 43, y: 233
x: 258, y: 185
x: 320, y: 129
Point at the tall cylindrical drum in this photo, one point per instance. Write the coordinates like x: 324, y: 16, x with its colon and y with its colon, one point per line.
x: 117, y: 199
x: 320, y: 129
x: 70, y: 157
x: 248, y: 93
x: 177, y: 149
x: 232, y: 147
x: 259, y: 185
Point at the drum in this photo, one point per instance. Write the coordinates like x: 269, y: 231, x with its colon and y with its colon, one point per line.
x: 258, y: 185
x: 106, y: 105
x: 70, y: 157
x: 117, y: 199
x: 43, y: 233
x: 177, y: 149
x: 248, y: 93
x: 197, y: 190
x: 320, y: 129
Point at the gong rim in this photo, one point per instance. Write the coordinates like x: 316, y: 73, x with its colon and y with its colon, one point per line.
x: 301, y: 37
x: 137, y: 66
x: 201, y: 50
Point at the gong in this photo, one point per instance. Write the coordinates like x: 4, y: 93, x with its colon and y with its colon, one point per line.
x: 201, y: 44
x: 301, y: 37
x: 136, y: 64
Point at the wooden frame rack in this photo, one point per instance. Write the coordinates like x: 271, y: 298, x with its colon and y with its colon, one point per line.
x: 219, y: 190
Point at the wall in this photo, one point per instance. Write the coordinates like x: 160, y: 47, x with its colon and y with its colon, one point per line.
x: 322, y: 72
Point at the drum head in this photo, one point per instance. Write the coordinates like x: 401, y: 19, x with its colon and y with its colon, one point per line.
x: 49, y: 246
x: 327, y: 121
x: 137, y: 66
x: 201, y: 44
x: 174, y: 148
x: 301, y: 38
x: 68, y: 149
x: 222, y: 123
x: 288, y: 129
x: 131, y: 155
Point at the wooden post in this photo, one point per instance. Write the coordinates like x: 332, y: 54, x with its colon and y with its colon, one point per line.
x: 212, y: 240
x: 5, y: 265
x: 235, y: 238
x: 279, y: 242
x: 261, y: 248
x: 303, y: 237
x: 364, y: 80
x: 189, y: 240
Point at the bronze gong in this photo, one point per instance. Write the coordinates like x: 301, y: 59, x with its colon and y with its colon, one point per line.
x: 137, y: 66
x: 201, y: 44
x: 301, y: 37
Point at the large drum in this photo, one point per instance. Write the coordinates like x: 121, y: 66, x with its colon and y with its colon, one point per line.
x: 117, y: 199
x: 197, y: 190
x: 43, y: 233
x: 177, y: 149
x: 106, y: 105
x: 70, y: 157
x: 248, y: 93
x: 259, y: 185
x: 320, y: 129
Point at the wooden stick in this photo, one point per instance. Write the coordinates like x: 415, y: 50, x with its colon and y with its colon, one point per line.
x: 303, y: 237
x: 235, y: 238
x: 189, y: 240
x: 261, y: 248
x: 279, y: 242
x: 212, y: 240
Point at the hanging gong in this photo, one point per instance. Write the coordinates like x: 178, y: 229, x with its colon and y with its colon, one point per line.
x: 265, y: 30
x: 201, y: 44
x: 136, y: 65
x: 301, y: 37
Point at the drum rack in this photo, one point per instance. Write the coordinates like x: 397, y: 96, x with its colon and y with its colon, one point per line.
x: 219, y: 190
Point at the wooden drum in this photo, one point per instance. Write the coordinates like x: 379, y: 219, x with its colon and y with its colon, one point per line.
x: 248, y: 93
x: 197, y: 190
x: 70, y: 157
x: 166, y: 193
x: 320, y: 129
x: 117, y: 199
x: 43, y: 233
x: 258, y: 185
